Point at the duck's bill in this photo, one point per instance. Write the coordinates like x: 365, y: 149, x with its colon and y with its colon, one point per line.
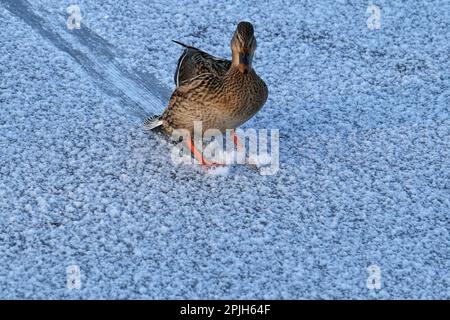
x: 244, y: 62
x: 244, y: 59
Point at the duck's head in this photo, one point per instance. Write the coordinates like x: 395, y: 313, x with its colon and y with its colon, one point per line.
x: 243, y: 46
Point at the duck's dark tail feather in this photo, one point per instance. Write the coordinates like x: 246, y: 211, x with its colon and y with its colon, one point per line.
x: 152, y: 123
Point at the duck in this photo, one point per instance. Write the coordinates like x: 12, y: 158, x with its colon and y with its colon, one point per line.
x: 222, y: 94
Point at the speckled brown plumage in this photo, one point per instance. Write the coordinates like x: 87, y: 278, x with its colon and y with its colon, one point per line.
x: 222, y: 94
x: 194, y: 62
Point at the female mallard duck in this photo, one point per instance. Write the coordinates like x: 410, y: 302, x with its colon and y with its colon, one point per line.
x: 221, y: 94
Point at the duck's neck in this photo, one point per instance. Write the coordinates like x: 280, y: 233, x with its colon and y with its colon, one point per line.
x: 234, y: 73
x: 236, y: 61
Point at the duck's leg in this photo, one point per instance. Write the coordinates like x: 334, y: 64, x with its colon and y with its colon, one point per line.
x: 197, y: 154
x: 237, y: 143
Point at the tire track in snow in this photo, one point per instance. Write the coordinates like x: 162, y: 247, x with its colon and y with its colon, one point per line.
x: 140, y: 92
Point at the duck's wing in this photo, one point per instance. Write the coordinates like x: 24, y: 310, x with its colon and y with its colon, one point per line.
x: 196, y: 99
x: 194, y: 62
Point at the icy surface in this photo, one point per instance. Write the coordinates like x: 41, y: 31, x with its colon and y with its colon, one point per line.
x: 364, y: 154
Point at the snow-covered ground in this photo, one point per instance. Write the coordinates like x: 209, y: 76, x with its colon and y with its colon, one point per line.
x: 364, y: 174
